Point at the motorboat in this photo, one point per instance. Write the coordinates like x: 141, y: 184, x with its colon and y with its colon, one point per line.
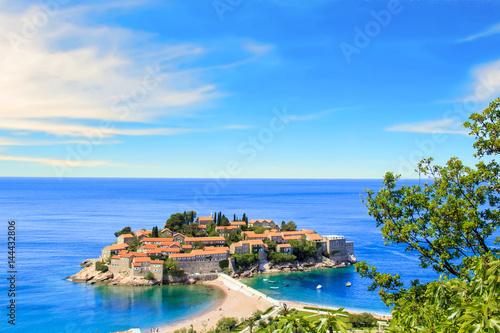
x: 274, y: 287
x: 319, y: 286
x: 287, y: 285
x: 348, y: 284
x: 271, y: 281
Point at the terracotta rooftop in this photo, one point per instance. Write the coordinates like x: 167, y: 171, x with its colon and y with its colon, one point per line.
x: 157, y: 261
x: 118, y: 246
x: 284, y: 245
x: 142, y: 259
x: 229, y: 227
x: 204, y: 239
x: 181, y: 255
x: 157, y: 239
x: 237, y: 223
x: 127, y: 235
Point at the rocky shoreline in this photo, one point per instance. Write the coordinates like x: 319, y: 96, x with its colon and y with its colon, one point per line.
x: 90, y: 275
x: 296, y: 266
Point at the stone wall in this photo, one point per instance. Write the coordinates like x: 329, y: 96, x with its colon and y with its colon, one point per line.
x: 201, y: 267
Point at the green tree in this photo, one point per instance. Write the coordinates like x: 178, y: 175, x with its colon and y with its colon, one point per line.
x: 290, y: 226
x: 134, y: 245
x: 175, y: 222
x: 448, y: 222
x: 361, y: 320
x: 278, y: 258
x: 226, y: 325
x: 233, y: 236
x: 245, y: 260
x: 126, y: 230
x: 150, y: 276
x: 303, y: 249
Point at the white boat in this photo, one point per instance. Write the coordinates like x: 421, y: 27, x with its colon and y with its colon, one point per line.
x: 348, y: 284
x: 274, y: 287
x: 319, y: 286
x: 265, y: 280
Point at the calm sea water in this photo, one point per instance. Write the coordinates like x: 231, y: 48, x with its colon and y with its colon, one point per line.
x: 60, y: 223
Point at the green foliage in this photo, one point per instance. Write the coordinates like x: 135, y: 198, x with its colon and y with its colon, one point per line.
x: 198, y: 245
x: 170, y: 264
x: 290, y: 226
x: 233, y: 236
x: 176, y: 222
x: 303, y: 249
x: 245, y: 260
x: 271, y: 245
x: 362, y: 320
x: 448, y: 221
x: 260, y: 230
x: 224, y: 263
x: 257, y: 314
x: 155, y: 233
x: 134, y: 245
x: 126, y: 230
x: 333, y: 321
x: 150, y: 276
x: 278, y: 258
x: 176, y: 272
x: 100, y: 267
x: 226, y: 325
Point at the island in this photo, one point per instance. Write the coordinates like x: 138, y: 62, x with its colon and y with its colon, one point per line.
x: 189, y: 249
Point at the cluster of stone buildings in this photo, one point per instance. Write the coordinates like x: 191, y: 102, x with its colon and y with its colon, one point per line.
x: 152, y: 253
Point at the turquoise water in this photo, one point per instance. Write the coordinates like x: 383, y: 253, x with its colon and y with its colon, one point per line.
x: 334, y: 293
x: 60, y: 223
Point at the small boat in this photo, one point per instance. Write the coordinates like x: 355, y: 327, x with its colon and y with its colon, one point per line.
x: 348, y: 284
x: 271, y: 281
x: 287, y: 285
x: 274, y: 287
x: 265, y: 280
x: 319, y: 286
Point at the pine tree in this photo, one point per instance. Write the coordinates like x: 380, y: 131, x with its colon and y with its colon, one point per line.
x: 234, y: 217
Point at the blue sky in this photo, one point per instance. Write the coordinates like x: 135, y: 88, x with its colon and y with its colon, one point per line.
x: 244, y: 89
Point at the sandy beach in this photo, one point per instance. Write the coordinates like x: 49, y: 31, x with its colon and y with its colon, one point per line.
x: 235, y: 304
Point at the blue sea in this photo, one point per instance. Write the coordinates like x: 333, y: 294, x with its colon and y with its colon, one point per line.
x: 62, y: 222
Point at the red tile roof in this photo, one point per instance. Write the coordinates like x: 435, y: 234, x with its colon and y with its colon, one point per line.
x: 118, y: 246
x: 204, y: 239
x: 157, y: 239
x: 237, y: 223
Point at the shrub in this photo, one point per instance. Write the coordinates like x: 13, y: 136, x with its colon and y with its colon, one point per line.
x: 245, y: 260
x: 262, y: 323
x: 226, y: 324
x: 176, y: 272
x: 276, y: 257
x: 257, y: 314
x: 99, y: 266
x: 362, y: 320
x: 224, y: 264
x: 150, y: 276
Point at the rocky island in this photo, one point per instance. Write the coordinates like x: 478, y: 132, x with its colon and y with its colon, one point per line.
x: 188, y: 250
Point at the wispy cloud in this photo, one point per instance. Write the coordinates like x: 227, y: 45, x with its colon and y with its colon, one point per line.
x: 485, y: 85
x: 16, y: 142
x: 444, y: 126
x: 311, y: 116
x: 492, y: 30
x: 63, y: 163
x: 69, y: 73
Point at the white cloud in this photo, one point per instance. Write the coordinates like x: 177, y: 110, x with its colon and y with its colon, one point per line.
x: 67, y: 73
x: 485, y: 85
x: 493, y: 30
x: 62, y: 163
x: 444, y: 126
x: 16, y: 142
